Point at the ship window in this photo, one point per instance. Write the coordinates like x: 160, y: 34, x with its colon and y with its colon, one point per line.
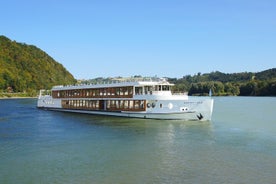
x: 165, y: 88
x: 148, y: 89
x: 117, y: 91
x: 97, y: 92
x: 138, y: 90
x: 161, y: 105
x: 126, y: 104
x: 112, y: 91
x: 130, y: 89
x: 124, y: 91
x: 108, y: 91
x: 131, y: 105
x: 158, y: 88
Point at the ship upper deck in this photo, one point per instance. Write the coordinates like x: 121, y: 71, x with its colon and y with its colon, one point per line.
x: 117, y: 83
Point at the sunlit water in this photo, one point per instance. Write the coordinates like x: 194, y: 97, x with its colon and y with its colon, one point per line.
x: 237, y: 146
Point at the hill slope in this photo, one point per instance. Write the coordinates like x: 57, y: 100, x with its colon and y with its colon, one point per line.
x: 25, y: 68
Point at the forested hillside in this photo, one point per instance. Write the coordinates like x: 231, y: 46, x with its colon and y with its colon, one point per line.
x: 237, y: 84
x: 26, y: 68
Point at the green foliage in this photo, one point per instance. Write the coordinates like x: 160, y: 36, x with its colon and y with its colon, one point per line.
x: 243, y: 84
x: 27, y: 68
x: 259, y: 88
x: 236, y: 84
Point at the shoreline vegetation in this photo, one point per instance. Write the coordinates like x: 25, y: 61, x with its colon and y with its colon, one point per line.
x: 221, y: 84
x: 16, y: 95
x: 237, y: 84
x: 25, y: 69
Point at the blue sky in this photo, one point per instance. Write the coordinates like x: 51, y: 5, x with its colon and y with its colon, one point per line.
x: 165, y: 38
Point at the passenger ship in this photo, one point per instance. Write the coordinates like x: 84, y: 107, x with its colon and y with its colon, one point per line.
x: 130, y: 98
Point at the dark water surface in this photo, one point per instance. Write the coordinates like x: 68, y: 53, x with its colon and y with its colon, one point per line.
x: 237, y: 146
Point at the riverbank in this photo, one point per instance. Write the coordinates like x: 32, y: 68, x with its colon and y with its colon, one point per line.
x: 4, y: 98
x: 15, y: 95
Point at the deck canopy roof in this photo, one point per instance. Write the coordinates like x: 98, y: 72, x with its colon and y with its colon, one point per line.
x: 117, y: 83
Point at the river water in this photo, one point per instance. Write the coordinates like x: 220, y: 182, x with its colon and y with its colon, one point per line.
x: 237, y: 146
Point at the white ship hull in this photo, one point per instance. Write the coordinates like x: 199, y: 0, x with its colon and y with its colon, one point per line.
x: 191, y: 110
x: 152, y: 100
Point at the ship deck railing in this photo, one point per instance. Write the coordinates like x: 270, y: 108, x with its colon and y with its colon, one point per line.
x: 180, y: 93
x: 116, y: 81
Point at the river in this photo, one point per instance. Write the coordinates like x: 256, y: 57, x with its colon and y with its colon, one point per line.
x: 237, y: 146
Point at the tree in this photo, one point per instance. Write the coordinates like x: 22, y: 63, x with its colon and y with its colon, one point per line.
x: 248, y: 89
x: 25, y: 67
x: 231, y: 89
